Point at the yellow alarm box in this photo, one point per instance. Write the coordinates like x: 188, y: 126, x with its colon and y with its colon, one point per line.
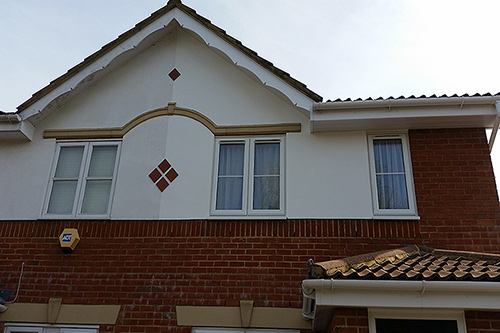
x: 69, y: 239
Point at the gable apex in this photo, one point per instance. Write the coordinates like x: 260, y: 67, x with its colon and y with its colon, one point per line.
x: 146, y: 33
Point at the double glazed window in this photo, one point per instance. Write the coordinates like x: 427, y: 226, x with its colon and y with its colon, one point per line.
x: 249, y: 177
x: 83, y: 178
x: 392, y: 186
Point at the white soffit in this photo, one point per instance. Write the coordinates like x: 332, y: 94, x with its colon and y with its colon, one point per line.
x: 420, y: 113
x: 144, y: 38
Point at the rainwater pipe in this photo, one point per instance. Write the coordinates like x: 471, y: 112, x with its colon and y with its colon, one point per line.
x: 495, y: 126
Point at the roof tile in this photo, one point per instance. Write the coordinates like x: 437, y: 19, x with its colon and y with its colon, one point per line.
x: 414, y: 263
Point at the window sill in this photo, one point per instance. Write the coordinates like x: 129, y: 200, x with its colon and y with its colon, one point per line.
x: 396, y: 217
x: 247, y: 217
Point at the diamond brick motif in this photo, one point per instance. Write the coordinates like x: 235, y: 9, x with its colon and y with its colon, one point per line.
x: 162, y: 184
x: 155, y: 175
x: 163, y: 175
x: 171, y: 175
x: 174, y: 74
x: 164, y: 166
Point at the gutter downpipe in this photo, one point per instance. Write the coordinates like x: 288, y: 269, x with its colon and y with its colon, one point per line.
x: 495, y: 126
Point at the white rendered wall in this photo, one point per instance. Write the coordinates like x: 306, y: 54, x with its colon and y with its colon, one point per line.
x: 326, y: 174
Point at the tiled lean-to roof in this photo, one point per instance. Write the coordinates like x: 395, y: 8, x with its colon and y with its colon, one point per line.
x: 412, y: 263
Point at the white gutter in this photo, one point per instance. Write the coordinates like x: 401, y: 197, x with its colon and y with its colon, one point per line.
x: 479, y: 295
x: 495, y: 126
x: 13, y: 128
x: 10, y: 117
x: 416, y: 102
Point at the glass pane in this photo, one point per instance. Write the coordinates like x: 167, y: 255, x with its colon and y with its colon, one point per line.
x: 267, y: 159
x: 266, y: 192
x: 391, y: 190
x: 69, y: 162
x: 102, y: 163
x: 96, y: 198
x: 388, y: 155
x: 416, y: 326
x: 62, y: 197
x: 231, y: 157
x: 229, y: 193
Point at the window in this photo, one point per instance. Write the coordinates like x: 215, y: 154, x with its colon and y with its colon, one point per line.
x: 391, y: 177
x: 249, y: 177
x: 389, y: 320
x: 46, y: 328
x: 82, y: 179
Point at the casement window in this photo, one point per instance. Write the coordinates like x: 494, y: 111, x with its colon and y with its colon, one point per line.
x: 416, y: 320
x: 46, y: 328
x: 248, y: 177
x: 391, y: 176
x: 82, y: 179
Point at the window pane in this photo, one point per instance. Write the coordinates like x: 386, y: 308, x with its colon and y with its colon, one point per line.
x: 62, y: 197
x: 230, y: 178
x: 102, y: 163
x: 229, y: 193
x: 266, y: 192
x: 388, y: 156
x: 416, y: 326
x: 231, y: 157
x: 69, y: 162
x: 267, y: 159
x: 391, y: 191
x: 96, y: 197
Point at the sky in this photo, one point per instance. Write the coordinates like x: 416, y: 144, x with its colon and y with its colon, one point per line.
x: 338, y: 48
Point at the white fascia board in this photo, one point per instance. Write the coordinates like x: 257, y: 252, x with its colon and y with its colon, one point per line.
x: 470, y: 295
x: 242, y: 60
x: 12, y: 128
x: 99, y: 64
x: 131, y: 44
x: 410, y: 117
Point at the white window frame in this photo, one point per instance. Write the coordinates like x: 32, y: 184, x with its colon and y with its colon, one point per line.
x: 41, y: 328
x: 411, y: 211
x: 248, y: 177
x: 417, y: 314
x: 82, y: 178
x: 240, y: 330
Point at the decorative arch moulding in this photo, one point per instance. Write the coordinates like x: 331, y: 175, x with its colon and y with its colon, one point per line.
x: 172, y: 110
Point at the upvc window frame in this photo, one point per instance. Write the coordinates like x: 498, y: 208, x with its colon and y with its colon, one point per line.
x: 248, y: 177
x: 40, y: 328
x: 457, y: 315
x: 76, y: 211
x: 410, y: 188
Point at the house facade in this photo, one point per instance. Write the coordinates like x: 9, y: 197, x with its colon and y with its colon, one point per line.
x: 196, y: 180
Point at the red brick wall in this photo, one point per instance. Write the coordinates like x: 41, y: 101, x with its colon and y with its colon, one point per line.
x: 151, y: 266
x: 456, y: 193
x: 482, y: 321
x: 349, y: 320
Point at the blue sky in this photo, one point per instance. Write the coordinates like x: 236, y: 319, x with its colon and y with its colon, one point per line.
x: 339, y: 49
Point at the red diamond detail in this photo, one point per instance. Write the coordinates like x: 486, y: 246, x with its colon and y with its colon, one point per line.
x: 174, y: 74
x: 171, y: 175
x: 155, y: 175
x: 164, y: 166
x: 162, y: 184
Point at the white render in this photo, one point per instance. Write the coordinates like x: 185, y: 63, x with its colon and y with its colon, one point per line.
x: 318, y: 184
